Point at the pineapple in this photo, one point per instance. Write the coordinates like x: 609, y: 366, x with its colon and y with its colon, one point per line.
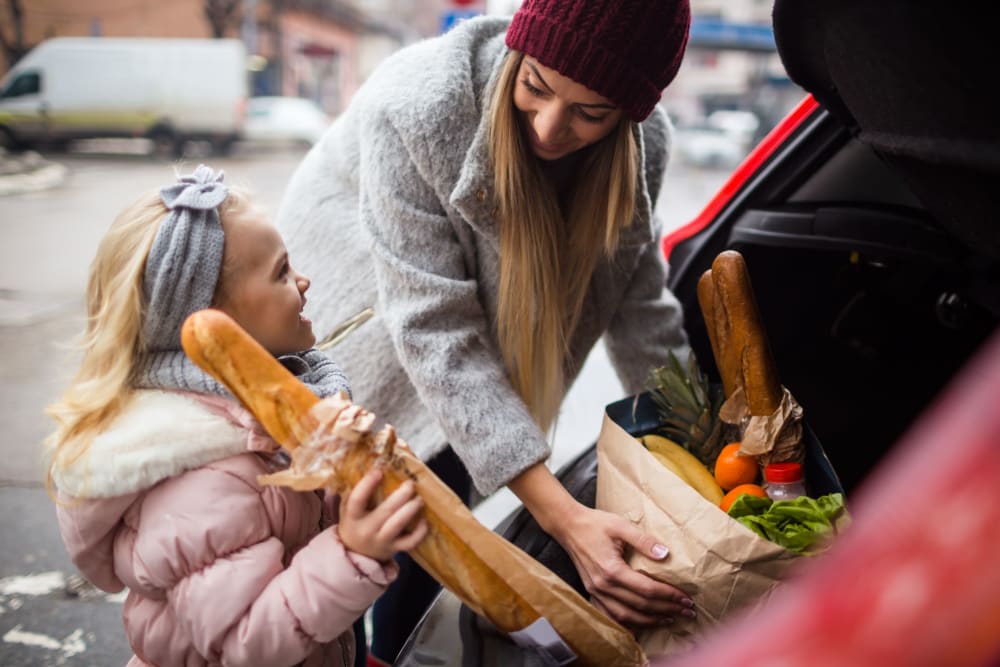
x: 688, y: 407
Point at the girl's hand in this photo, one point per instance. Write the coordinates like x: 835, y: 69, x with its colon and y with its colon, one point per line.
x: 379, y: 531
x: 595, y: 541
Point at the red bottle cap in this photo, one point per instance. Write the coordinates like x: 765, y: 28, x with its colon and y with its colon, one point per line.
x: 783, y: 472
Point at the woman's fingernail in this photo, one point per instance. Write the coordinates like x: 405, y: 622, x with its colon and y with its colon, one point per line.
x: 668, y: 619
x: 660, y: 551
x: 690, y: 613
x: 688, y: 602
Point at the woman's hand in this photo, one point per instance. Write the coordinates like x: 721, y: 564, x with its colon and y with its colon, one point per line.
x: 595, y: 541
x: 379, y: 531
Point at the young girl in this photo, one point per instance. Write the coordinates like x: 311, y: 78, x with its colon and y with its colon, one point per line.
x: 156, y: 464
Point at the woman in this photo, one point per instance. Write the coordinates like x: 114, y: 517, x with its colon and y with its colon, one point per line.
x: 478, y: 217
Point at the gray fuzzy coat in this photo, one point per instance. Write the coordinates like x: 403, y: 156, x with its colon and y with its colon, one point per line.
x: 393, y: 209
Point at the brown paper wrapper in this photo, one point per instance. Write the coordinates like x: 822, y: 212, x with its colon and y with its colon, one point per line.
x: 773, y: 438
x: 719, y: 563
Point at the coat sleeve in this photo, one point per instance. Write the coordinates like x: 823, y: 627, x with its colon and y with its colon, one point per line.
x: 647, y: 325
x: 649, y: 321
x: 430, y: 304
x: 313, y: 601
x: 227, y: 589
x: 88, y: 530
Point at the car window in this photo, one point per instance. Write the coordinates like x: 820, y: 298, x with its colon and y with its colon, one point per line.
x: 258, y: 111
x: 26, y: 83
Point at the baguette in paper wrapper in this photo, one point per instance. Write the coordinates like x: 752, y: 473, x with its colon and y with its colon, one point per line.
x: 764, y: 412
x: 333, y: 446
x: 721, y: 565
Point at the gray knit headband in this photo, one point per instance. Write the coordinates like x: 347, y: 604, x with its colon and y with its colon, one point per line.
x: 182, y: 270
x: 183, y: 265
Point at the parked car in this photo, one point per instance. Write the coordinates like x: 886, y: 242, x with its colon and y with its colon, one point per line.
x: 741, y: 123
x: 709, y: 146
x: 867, y: 219
x: 284, y: 119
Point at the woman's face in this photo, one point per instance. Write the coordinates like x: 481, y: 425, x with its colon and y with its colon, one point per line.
x: 560, y: 115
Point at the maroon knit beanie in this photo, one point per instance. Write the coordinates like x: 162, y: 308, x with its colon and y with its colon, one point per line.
x: 626, y: 50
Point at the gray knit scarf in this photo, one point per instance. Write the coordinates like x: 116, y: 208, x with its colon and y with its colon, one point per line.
x: 181, y: 273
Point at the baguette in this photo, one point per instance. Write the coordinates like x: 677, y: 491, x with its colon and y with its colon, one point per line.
x: 221, y: 348
x: 706, y: 299
x: 730, y: 350
x: 741, y: 335
x: 333, y: 446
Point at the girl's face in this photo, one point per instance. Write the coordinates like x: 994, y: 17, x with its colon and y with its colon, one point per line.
x: 560, y: 115
x: 259, y: 288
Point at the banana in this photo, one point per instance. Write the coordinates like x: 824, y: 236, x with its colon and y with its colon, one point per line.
x: 669, y: 464
x: 657, y: 443
x: 690, y: 468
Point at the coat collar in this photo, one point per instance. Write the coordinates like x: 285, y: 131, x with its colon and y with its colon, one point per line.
x: 161, y: 434
x: 473, y: 195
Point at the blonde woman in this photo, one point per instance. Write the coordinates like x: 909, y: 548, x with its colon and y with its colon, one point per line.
x: 480, y: 216
x: 156, y: 464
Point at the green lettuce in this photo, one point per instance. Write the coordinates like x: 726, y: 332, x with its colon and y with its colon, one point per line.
x: 803, y: 525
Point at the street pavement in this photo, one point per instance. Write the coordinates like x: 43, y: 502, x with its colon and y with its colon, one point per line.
x: 52, y: 212
x: 28, y: 172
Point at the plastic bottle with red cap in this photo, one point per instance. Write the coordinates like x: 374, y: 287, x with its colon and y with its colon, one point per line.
x: 784, y: 481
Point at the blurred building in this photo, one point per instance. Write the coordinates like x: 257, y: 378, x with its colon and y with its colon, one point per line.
x: 417, y: 19
x: 324, y: 49
x: 317, y: 49
x: 731, y: 64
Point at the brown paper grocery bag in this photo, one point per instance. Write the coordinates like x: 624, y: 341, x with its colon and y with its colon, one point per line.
x: 722, y: 565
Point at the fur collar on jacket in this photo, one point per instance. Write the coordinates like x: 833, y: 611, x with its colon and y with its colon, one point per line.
x: 159, y: 435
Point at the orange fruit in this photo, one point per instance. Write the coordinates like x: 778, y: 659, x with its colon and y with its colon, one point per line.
x: 733, y: 469
x: 736, y: 492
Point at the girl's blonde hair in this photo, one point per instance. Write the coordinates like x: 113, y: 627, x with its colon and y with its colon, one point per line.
x: 112, y: 344
x: 547, y: 253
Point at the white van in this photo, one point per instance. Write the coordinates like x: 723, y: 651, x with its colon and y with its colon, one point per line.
x: 167, y: 90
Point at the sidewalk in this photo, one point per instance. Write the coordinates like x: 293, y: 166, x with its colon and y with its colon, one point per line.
x: 28, y: 172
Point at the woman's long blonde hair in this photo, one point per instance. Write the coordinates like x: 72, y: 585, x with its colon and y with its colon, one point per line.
x: 112, y: 345
x: 547, y: 257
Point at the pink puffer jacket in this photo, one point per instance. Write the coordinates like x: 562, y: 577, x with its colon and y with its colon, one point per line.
x: 220, y: 570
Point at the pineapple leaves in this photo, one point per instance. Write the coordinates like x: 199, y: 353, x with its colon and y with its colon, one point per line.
x: 687, y: 406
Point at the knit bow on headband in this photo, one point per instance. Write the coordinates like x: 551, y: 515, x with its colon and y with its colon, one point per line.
x: 184, y: 262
